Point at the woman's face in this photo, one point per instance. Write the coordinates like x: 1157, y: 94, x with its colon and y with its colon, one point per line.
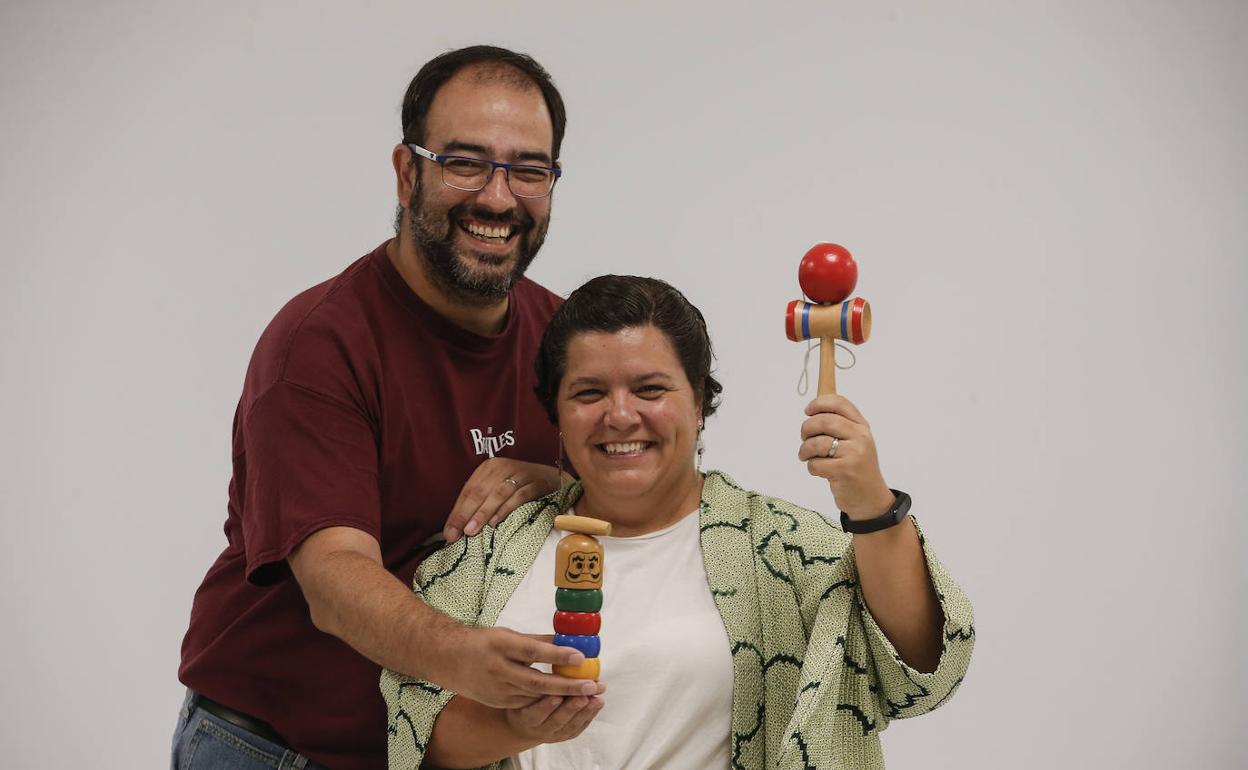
x: 628, y: 413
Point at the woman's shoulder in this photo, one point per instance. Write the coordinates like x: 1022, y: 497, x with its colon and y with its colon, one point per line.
x: 535, y: 516
x: 769, y: 516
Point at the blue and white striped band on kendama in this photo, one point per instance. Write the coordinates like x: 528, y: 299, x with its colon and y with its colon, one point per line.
x: 578, y: 592
x: 849, y: 321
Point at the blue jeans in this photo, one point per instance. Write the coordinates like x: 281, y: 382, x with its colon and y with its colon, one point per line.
x: 203, y: 741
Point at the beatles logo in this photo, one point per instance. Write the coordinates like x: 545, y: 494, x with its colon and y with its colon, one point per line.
x: 487, y: 443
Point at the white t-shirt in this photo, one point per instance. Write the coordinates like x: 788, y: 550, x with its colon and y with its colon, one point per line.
x: 665, y: 656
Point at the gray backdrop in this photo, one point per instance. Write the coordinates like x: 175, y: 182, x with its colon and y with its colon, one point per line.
x: 1047, y: 205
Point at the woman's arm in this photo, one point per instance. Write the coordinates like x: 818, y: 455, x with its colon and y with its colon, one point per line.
x: 892, y: 575
x: 892, y: 571
x: 468, y: 734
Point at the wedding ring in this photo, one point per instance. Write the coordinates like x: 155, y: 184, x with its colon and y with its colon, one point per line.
x: 513, y: 482
x: 836, y: 442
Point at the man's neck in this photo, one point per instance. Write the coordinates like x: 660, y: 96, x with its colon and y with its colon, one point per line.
x: 486, y: 320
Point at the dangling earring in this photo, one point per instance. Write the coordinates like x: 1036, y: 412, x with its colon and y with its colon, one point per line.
x: 559, y: 466
x: 701, y: 447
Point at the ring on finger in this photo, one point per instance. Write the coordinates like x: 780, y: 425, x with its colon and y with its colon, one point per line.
x: 836, y: 443
x: 512, y: 482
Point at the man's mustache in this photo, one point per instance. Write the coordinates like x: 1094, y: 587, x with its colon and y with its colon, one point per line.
x: 513, y: 217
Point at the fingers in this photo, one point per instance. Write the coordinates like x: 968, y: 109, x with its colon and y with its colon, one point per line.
x: 466, y: 503
x: 535, y: 651
x: 523, y: 493
x: 836, y: 404
x: 496, y: 488
x: 540, y: 710
x: 826, y: 424
x: 819, y: 448
x: 572, y: 717
x: 537, y: 683
x: 507, y: 495
x: 554, y: 719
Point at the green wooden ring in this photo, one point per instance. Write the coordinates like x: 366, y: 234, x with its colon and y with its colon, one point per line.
x: 578, y: 600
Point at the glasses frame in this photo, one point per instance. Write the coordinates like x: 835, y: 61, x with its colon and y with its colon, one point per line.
x: 494, y: 165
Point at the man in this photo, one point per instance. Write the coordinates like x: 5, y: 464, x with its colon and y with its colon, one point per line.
x: 369, y: 400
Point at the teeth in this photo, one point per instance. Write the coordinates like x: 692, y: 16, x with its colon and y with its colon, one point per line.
x: 624, y: 448
x: 482, y: 231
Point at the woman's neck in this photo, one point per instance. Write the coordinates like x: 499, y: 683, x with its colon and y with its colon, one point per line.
x: 647, y: 513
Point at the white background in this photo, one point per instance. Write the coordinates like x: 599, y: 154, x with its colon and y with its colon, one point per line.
x: 1046, y: 200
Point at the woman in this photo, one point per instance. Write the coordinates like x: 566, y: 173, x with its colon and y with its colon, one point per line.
x: 737, y: 629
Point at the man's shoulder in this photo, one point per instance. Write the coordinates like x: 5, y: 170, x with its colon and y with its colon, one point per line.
x: 316, y: 322
x: 338, y: 295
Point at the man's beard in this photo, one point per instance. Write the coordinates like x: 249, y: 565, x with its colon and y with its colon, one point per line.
x: 433, y: 234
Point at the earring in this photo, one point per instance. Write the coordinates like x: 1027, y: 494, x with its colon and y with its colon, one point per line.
x: 559, y: 465
x: 701, y: 447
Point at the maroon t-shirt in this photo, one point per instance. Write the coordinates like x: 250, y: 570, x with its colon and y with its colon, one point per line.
x: 363, y: 408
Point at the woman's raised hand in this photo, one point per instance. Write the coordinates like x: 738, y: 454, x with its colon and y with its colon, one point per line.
x: 837, y: 445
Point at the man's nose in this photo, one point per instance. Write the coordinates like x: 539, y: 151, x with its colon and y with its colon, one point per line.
x: 496, y: 195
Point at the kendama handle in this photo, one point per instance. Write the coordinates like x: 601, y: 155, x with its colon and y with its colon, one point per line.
x: 827, y: 366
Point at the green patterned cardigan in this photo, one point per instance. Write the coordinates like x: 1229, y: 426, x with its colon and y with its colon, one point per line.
x: 814, y: 678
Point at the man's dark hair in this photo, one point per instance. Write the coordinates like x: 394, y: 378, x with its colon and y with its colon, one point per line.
x: 610, y: 303
x: 437, y: 71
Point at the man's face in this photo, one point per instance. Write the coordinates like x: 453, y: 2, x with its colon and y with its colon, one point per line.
x: 477, y: 245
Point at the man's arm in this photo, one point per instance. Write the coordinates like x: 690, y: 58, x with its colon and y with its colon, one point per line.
x: 352, y: 596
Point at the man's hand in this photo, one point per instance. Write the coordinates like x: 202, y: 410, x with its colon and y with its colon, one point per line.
x: 553, y: 719
x: 497, y: 487
x: 492, y: 666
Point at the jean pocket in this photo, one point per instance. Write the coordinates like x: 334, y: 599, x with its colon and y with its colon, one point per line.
x: 219, y: 745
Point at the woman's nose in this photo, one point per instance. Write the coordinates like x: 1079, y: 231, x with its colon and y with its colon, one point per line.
x: 621, y: 413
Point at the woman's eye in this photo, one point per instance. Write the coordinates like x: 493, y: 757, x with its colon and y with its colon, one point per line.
x: 651, y: 391
x: 587, y: 394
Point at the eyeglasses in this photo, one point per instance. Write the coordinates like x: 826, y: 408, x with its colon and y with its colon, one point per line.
x: 472, y: 174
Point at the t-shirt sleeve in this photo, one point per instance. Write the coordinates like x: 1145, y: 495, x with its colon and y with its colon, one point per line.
x: 311, y: 463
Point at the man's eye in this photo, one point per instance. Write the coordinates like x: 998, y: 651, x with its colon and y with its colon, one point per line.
x: 530, y: 173
x: 464, y: 166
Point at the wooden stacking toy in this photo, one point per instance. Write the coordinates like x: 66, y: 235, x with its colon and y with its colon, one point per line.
x: 578, y: 592
x: 828, y: 275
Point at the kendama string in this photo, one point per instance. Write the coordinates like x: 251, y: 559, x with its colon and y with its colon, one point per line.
x: 803, y: 382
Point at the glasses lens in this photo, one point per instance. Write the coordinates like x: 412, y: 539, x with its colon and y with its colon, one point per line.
x: 530, y: 181
x: 465, y: 173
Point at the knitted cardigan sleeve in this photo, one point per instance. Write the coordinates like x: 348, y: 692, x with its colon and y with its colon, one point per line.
x: 451, y: 580
x: 821, y: 557
x: 853, y: 680
x: 904, y: 691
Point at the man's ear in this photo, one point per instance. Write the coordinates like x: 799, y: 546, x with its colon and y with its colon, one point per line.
x: 404, y: 172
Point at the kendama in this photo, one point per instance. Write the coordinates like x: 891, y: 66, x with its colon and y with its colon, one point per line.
x: 578, y: 592
x: 828, y: 275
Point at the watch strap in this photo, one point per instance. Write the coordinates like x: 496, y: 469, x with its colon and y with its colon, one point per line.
x: 890, y: 518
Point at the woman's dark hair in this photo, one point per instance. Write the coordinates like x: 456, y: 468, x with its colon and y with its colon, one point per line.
x: 437, y: 71
x: 610, y: 303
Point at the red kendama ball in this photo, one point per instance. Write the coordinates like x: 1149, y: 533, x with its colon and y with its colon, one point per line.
x: 828, y: 273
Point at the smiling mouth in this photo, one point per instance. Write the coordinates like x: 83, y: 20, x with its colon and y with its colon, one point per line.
x: 495, y: 235
x: 625, y: 448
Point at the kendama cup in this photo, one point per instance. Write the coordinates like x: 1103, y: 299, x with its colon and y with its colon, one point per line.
x: 827, y: 275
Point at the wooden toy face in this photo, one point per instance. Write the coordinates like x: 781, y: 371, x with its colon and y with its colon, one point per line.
x: 578, y: 562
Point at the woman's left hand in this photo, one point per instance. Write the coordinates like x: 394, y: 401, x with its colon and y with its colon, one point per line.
x: 853, y: 470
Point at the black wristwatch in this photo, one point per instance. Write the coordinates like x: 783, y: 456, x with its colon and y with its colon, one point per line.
x: 891, y: 518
